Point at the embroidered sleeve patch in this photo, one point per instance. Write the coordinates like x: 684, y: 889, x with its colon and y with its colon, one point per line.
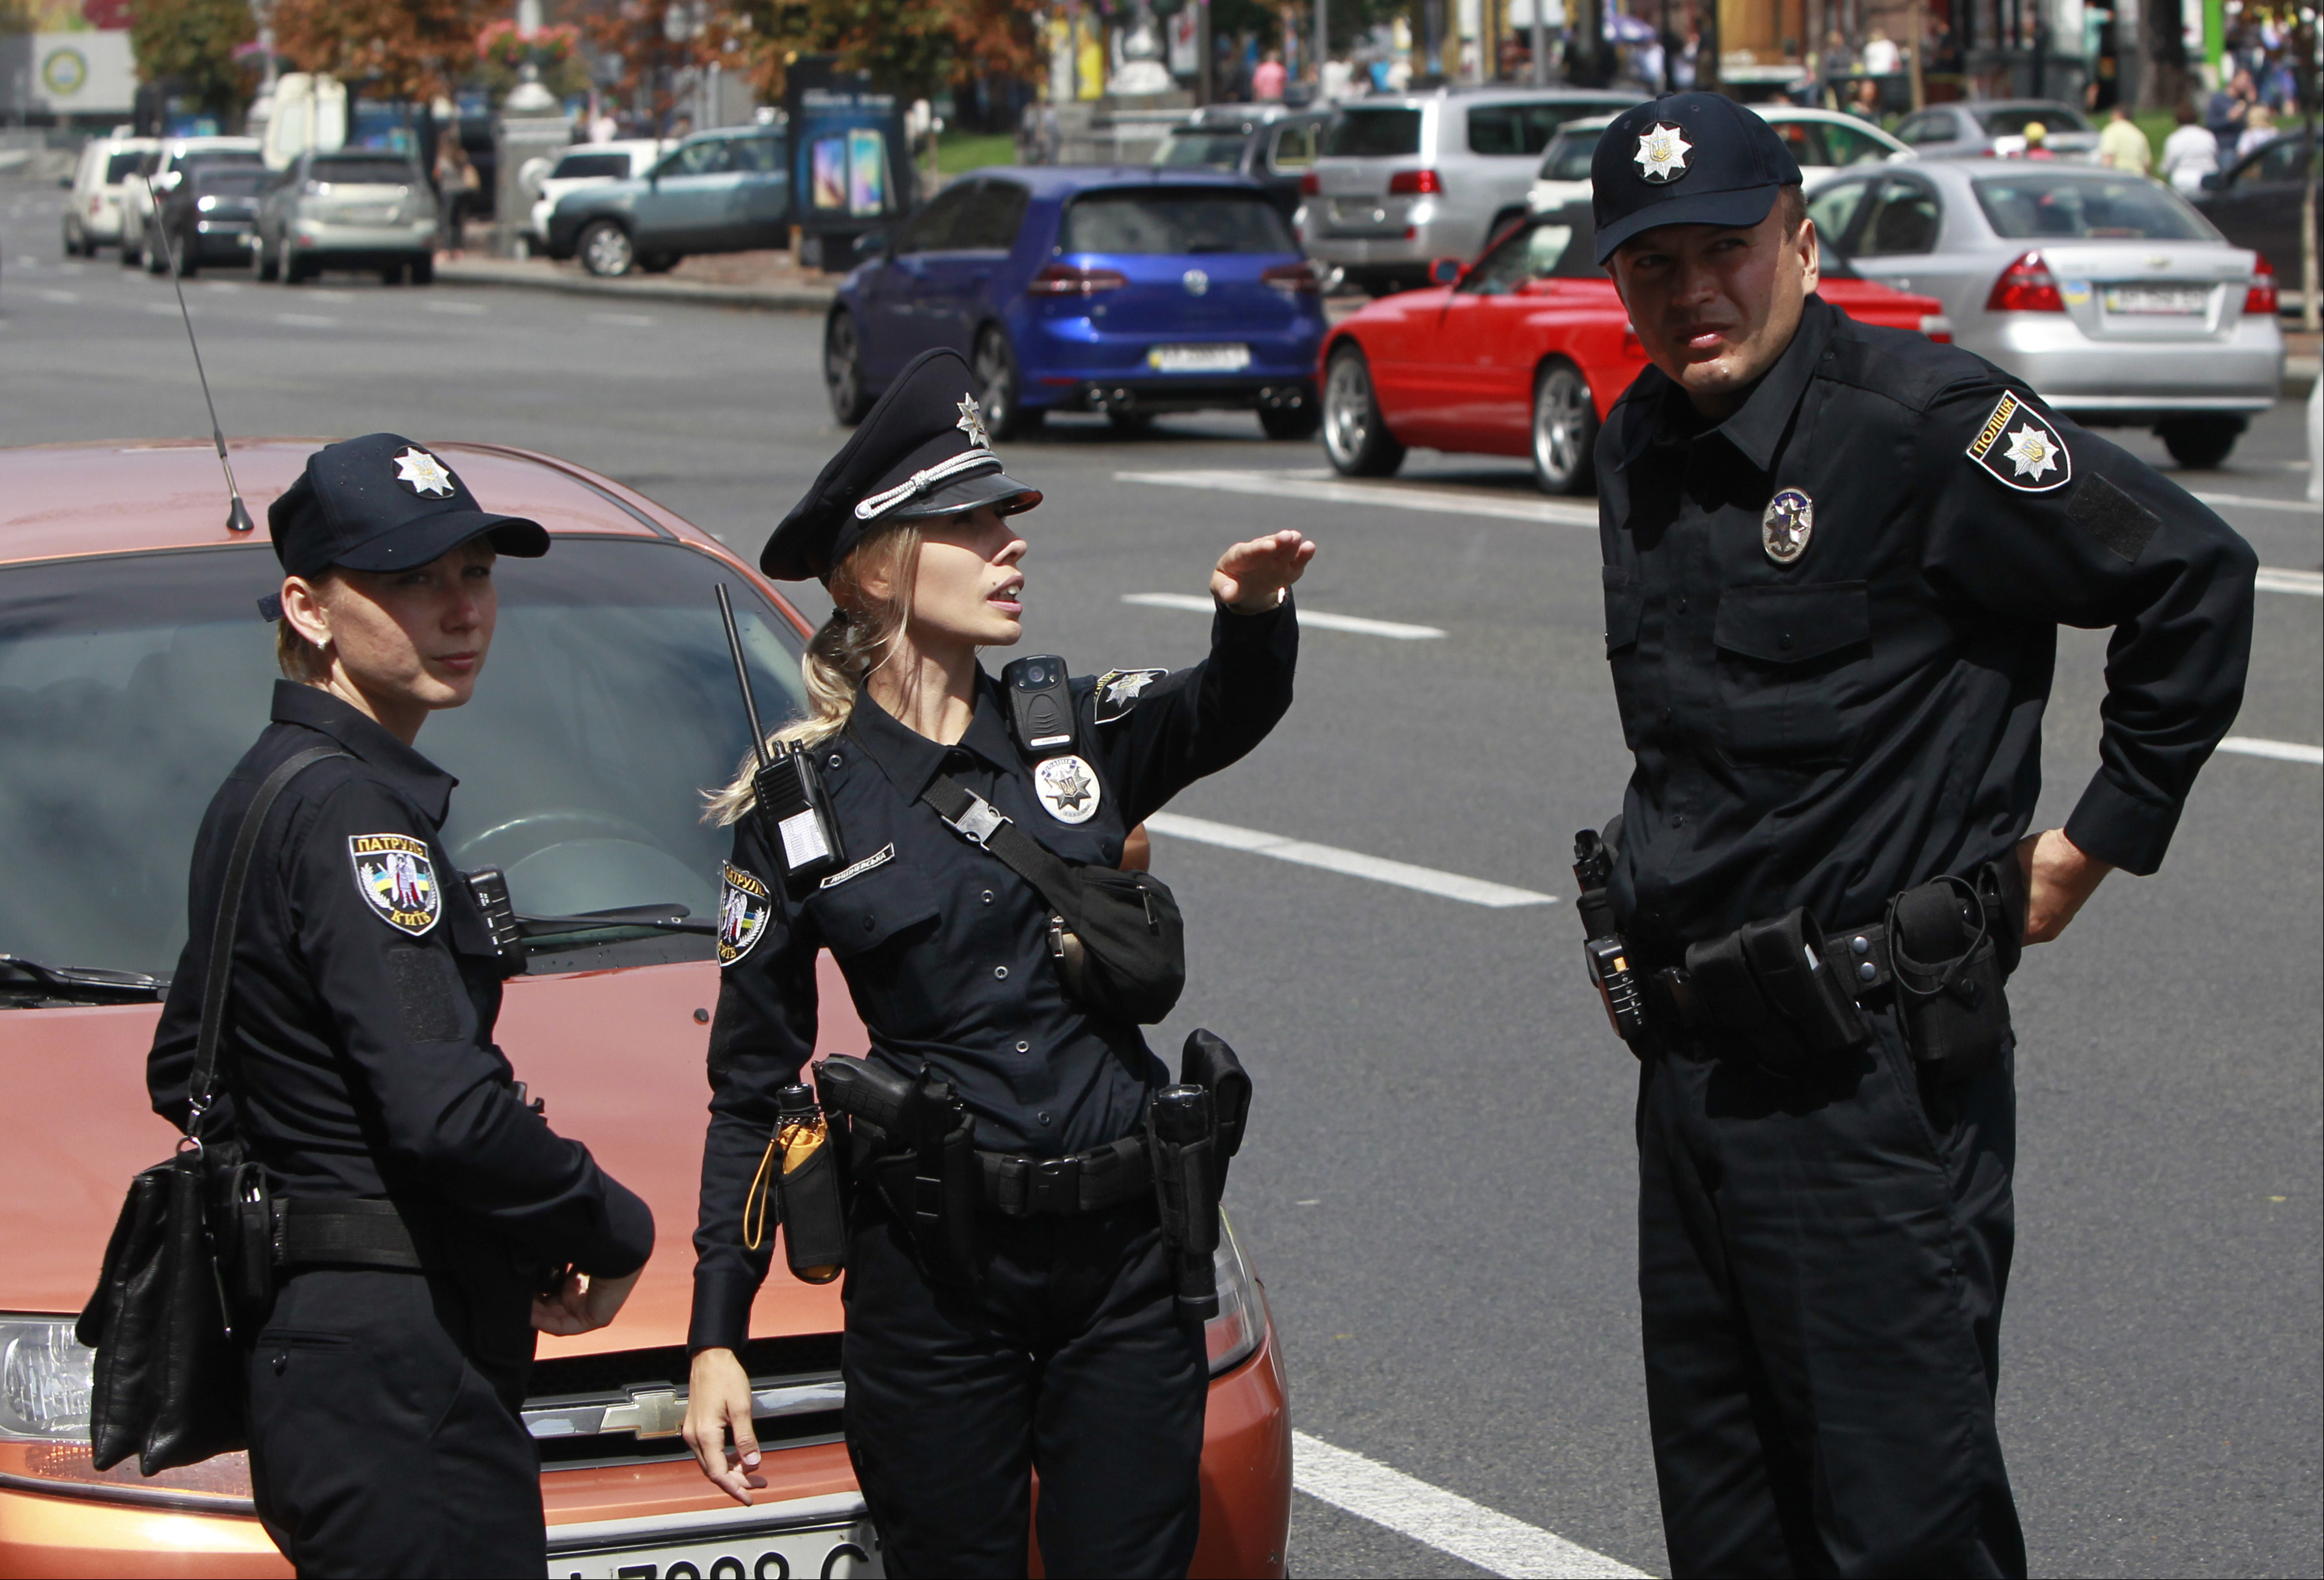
x: 743, y: 903
x: 2018, y: 445
x: 396, y: 877
x: 1117, y: 691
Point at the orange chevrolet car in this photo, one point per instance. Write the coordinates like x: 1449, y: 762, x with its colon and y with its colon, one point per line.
x: 134, y: 672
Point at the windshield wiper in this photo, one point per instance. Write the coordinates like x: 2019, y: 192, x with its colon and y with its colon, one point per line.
x: 84, y: 984
x: 664, y: 916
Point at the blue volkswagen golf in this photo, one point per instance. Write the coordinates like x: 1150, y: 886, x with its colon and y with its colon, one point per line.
x: 1128, y: 291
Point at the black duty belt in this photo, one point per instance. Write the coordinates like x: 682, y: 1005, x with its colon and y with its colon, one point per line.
x: 1096, y: 1180
x: 347, y: 1233
x: 1859, y: 954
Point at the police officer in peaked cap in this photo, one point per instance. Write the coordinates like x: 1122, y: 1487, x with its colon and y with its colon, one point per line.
x: 1835, y: 560
x: 421, y: 1206
x: 1030, y: 1324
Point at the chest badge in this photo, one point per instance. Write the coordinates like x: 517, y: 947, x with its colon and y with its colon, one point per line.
x: 743, y: 903
x: 1786, y: 525
x: 1068, y: 788
x: 2017, y: 446
x: 397, y: 878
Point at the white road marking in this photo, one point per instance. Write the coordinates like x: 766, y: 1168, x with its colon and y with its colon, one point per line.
x: 2272, y: 580
x: 58, y: 296
x: 166, y: 309
x: 625, y: 320
x: 2289, y: 751
x: 315, y: 295
x: 1394, y: 496
x: 305, y: 321
x: 1451, y: 886
x: 2248, y: 502
x: 469, y: 309
x: 1447, y: 1522
x: 1307, y: 617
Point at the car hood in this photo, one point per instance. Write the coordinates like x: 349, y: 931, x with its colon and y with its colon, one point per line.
x: 617, y: 1055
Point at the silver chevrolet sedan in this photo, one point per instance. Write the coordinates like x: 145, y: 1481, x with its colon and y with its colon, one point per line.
x: 2107, y: 292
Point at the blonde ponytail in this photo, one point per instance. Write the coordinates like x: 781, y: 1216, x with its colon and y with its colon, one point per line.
x: 858, y: 637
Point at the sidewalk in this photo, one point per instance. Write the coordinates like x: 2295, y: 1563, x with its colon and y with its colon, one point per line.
x: 767, y: 281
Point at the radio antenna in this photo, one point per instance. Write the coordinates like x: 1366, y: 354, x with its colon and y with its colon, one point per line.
x: 742, y: 675
x: 237, y: 518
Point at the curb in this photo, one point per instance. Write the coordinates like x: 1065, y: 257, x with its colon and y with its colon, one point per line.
x: 2300, y: 376
x: 808, y: 299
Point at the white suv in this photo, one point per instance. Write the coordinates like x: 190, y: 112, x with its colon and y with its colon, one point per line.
x: 585, y: 164
x: 1405, y: 178
x: 93, y: 214
x: 1823, y: 141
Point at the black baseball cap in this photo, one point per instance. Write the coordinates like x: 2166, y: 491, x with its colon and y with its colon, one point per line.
x: 383, y: 503
x: 920, y: 454
x: 1686, y: 158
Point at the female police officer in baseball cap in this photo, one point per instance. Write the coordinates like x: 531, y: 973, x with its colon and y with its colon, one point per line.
x: 423, y: 1205
x: 1058, y: 1346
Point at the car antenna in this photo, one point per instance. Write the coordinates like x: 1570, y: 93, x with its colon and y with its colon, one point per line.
x: 743, y: 676
x: 237, y: 517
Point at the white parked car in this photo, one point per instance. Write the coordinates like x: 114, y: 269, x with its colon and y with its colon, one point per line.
x: 99, y: 188
x: 1824, y: 142
x: 586, y: 164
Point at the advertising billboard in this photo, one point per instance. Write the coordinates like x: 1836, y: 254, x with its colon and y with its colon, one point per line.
x: 851, y: 159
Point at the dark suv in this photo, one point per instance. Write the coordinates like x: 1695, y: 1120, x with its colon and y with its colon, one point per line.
x: 722, y: 191
x: 212, y: 217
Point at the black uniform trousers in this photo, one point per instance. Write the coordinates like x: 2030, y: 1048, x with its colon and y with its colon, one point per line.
x: 1068, y: 1357
x: 1822, y: 1262
x: 382, y: 1445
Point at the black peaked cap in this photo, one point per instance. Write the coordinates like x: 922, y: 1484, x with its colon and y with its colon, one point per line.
x: 383, y: 503
x: 919, y: 454
x: 1686, y: 158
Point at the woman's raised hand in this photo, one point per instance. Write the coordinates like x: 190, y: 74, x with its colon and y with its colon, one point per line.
x: 1251, y: 577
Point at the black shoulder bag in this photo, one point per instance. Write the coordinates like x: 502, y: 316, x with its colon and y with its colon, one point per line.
x: 1119, y: 938
x: 168, y: 1384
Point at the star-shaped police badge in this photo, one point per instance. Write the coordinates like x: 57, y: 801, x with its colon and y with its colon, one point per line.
x: 971, y: 423
x: 1662, y: 154
x: 421, y: 474
x: 1069, y: 789
x: 1786, y: 525
x: 2016, y: 445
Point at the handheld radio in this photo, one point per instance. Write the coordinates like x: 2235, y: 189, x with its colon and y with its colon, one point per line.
x: 1040, y: 709
x: 795, y: 813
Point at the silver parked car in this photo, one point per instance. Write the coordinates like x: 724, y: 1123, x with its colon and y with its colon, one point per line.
x: 1982, y: 128
x: 2107, y: 292
x: 361, y: 208
x: 1405, y: 178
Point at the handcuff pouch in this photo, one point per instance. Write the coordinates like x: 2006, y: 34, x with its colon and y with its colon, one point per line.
x: 1945, y: 951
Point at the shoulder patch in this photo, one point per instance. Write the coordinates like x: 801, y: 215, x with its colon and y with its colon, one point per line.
x: 396, y: 877
x: 2018, y: 447
x: 743, y: 903
x: 1117, y: 691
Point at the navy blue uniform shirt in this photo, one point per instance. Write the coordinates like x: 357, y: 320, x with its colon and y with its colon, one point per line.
x: 357, y: 1057
x: 945, y: 949
x: 1827, y: 722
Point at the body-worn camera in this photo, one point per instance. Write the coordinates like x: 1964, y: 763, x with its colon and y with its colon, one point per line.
x: 1040, y: 710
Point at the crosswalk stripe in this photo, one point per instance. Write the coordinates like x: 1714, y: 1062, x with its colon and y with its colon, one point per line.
x: 1394, y: 629
x: 1451, y: 886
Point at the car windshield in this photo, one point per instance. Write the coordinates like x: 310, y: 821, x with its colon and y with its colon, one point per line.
x: 2009, y: 121
x: 237, y: 182
x: 1218, y: 151
x: 579, y: 166
x: 364, y: 172
x: 1569, y: 155
x: 609, y: 706
x: 1381, y: 134
x: 121, y: 166
x: 2058, y: 206
x: 1165, y: 222
x: 210, y: 159
x: 1525, y: 128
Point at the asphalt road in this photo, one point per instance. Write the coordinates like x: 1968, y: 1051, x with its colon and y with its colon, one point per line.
x: 1439, y: 1186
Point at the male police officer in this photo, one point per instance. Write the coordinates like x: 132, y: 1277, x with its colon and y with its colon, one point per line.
x: 1835, y: 558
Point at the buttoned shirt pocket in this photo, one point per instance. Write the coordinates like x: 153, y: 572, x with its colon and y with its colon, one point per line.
x: 1787, y: 657
x: 870, y: 923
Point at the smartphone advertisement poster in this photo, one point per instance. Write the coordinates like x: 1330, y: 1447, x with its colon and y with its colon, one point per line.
x: 851, y: 162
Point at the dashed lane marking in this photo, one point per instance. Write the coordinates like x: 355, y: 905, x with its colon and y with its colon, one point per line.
x: 305, y: 321
x: 465, y: 309
x: 1447, y: 1522
x: 1393, y: 496
x: 1393, y: 629
x: 2285, y: 751
x: 624, y: 320
x: 2310, y: 583
x: 58, y: 296
x: 1451, y: 886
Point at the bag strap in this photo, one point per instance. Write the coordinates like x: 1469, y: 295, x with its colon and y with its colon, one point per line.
x: 200, y: 1088
x: 980, y: 823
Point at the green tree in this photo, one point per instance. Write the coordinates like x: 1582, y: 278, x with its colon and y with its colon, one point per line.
x: 193, y: 42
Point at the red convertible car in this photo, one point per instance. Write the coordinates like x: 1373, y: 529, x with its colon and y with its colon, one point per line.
x: 1522, y: 352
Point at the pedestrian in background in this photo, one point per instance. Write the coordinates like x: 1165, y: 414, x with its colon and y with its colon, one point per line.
x: 1267, y: 78
x: 1836, y: 559
x: 1881, y: 56
x: 2259, y: 131
x: 2190, y: 153
x: 428, y: 1221
x: 2121, y: 145
x: 456, y: 185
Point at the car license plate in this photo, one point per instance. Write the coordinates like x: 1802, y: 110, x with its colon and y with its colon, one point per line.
x: 1198, y: 359
x: 376, y: 214
x: 2156, y: 300
x: 774, y: 1555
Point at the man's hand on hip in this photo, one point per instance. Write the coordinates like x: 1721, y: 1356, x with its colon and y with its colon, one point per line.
x: 2059, y: 878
